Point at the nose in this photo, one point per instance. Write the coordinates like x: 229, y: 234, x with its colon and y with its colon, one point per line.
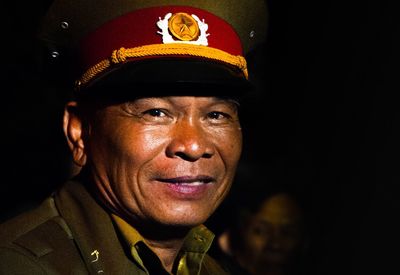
x: 275, y: 240
x: 190, y: 142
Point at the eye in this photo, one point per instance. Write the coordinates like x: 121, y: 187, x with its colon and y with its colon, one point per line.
x: 157, y: 116
x: 154, y: 113
x: 260, y: 230
x: 218, y: 116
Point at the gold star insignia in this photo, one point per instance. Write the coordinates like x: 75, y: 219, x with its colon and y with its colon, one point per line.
x: 183, y: 27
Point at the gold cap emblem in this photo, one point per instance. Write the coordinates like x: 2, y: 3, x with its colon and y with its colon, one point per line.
x: 183, y: 27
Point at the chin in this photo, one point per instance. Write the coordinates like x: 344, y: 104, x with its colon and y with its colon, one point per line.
x: 185, y: 221
x: 171, y: 227
x: 189, y: 218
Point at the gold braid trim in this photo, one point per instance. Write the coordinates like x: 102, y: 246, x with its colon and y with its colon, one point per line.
x: 121, y: 55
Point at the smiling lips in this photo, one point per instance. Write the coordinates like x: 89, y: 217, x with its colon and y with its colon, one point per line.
x: 188, y: 180
x: 188, y: 185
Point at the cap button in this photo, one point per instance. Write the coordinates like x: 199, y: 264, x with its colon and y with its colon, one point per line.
x: 199, y: 238
x: 64, y: 25
x: 54, y: 54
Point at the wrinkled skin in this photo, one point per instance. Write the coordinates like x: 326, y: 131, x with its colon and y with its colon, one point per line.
x: 165, y: 160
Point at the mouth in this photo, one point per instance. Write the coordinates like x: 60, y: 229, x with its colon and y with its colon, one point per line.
x: 188, y: 186
x: 188, y: 180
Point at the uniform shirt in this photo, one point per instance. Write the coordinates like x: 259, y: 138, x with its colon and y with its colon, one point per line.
x: 71, y: 233
x: 189, y: 260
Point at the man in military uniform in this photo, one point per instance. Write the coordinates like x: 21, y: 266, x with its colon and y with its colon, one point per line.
x: 154, y: 130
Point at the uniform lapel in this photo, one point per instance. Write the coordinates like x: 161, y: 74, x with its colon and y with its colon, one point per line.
x: 93, y: 231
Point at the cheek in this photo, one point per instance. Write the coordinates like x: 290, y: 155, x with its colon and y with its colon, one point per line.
x: 147, y: 142
x: 229, y: 143
x: 255, y: 242
x: 137, y: 140
x: 125, y: 147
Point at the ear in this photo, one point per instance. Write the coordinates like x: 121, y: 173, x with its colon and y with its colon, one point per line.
x: 74, y: 132
x: 224, y: 242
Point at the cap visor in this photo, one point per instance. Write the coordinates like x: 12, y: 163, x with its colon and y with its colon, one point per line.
x: 171, y: 76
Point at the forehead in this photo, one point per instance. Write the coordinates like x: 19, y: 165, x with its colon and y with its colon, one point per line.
x: 98, y: 103
x: 280, y: 208
x: 178, y: 100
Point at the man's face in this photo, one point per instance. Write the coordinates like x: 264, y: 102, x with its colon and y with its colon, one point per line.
x: 165, y: 159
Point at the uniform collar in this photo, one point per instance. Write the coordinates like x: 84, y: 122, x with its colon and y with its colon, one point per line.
x: 189, y: 260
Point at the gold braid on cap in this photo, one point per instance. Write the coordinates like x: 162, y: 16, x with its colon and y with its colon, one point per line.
x: 120, y: 56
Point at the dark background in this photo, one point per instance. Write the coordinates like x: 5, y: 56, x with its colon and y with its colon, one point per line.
x: 326, y: 122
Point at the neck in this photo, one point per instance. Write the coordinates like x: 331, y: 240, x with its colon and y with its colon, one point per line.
x: 164, y: 240
x: 166, y: 250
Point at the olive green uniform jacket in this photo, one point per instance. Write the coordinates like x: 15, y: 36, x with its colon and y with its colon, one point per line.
x: 70, y: 233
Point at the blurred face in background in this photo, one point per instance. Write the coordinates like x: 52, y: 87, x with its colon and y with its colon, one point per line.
x: 273, y: 237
